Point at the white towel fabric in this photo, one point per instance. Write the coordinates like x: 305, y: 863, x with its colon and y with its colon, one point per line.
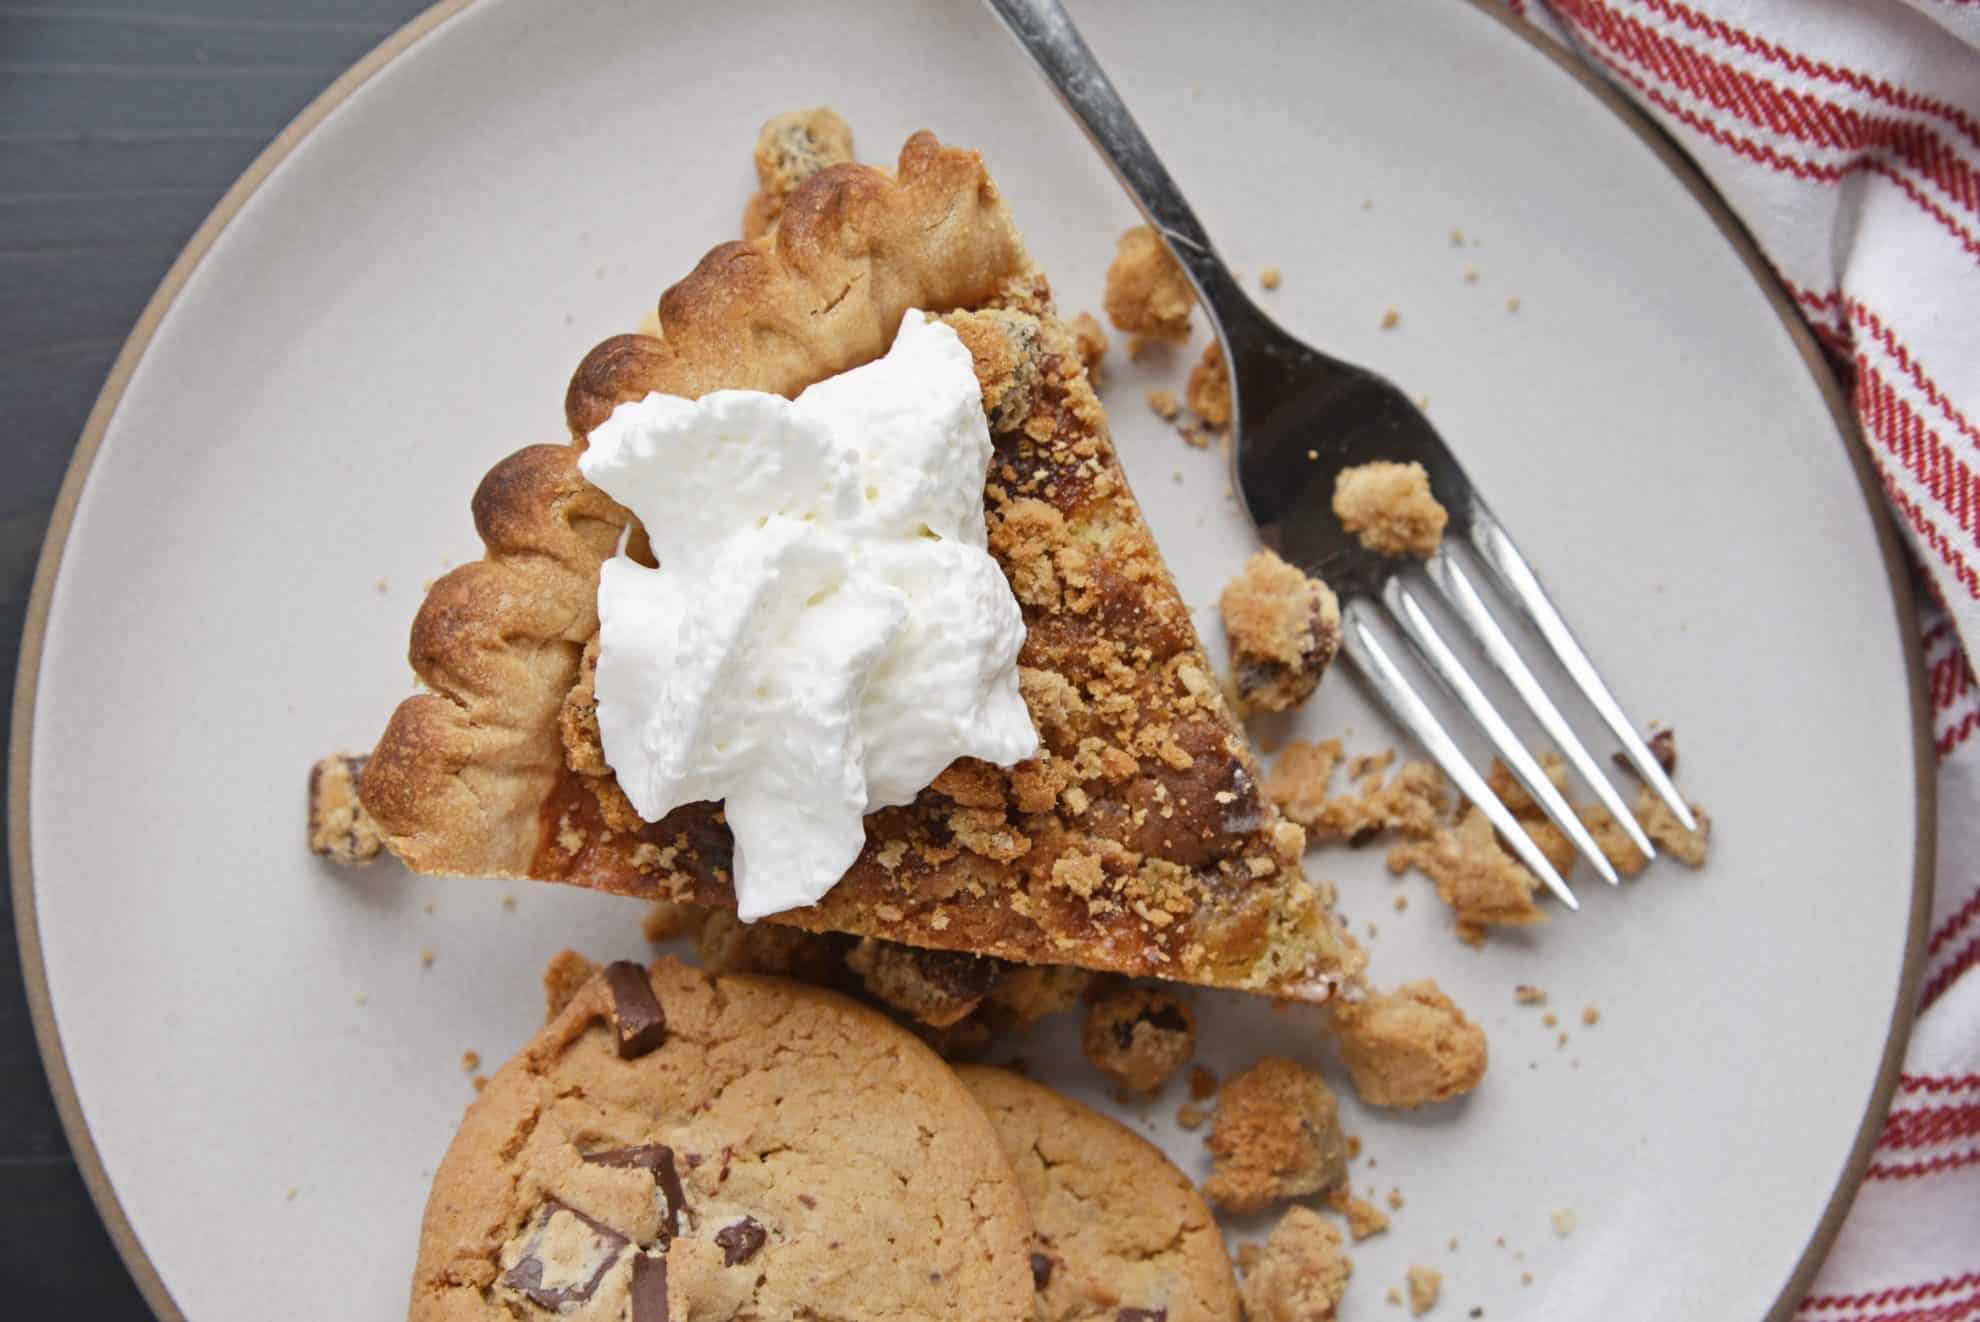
x: 1846, y: 135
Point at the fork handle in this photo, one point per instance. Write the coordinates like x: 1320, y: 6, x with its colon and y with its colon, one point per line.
x: 1047, y: 34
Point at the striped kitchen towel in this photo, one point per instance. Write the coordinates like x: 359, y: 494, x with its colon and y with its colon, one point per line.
x: 1846, y: 135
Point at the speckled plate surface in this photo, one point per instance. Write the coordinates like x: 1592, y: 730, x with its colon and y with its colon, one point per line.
x: 260, y: 1070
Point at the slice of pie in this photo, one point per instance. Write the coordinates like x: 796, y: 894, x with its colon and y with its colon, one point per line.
x: 1137, y: 841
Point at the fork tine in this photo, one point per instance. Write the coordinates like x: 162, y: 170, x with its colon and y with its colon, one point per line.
x: 1436, y: 654
x: 1457, y: 589
x: 1516, y: 577
x: 1409, y: 709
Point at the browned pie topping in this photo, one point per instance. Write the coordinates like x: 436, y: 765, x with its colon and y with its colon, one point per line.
x: 1138, y: 1036
x: 339, y: 827
x: 1148, y: 296
x: 1390, y: 508
x: 1283, y: 627
x: 1277, y: 1135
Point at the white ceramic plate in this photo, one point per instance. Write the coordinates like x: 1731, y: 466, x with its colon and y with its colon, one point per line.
x: 269, y: 1074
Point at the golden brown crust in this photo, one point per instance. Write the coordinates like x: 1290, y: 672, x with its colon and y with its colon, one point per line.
x: 854, y: 250
x: 1136, y: 842
x: 791, y: 148
x: 459, y: 777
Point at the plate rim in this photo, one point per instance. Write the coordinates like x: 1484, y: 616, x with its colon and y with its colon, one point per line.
x: 103, y: 1195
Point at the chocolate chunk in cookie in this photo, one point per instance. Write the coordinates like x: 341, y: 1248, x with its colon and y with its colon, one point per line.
x: 658, y: 1158
x: 637, y: 1018
x: 740, y: 1241
x: 563, y: 1257
x: 649, y: 1289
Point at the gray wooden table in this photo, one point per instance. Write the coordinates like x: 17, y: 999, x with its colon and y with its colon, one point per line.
x: 121, y: 123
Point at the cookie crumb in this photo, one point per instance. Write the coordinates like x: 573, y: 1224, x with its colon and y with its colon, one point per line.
x: 428, y: 906
x: 1425, y: 1283
x: 1390, y: 508
x: 1277, y: 1134
x: 426, y: 957
x: 290, y: 1196
x: 363, y: 998
x: 1526, y: 1278
x: 1550, y: 1020
x: 470, y: 1061
x: 1191, y: 1115
x: 1164, y: 404
x: 1299, y: 1274
x: 932, y: 987
x: 1564, y: 1221
x: 1391, y: 318
x: 1147, y: 294
x: 509, y: 902
x: 1412, y: 800
x: 791, y: 148
x: 1528, y: 994
x: 1470, y: 274
x: 1209, y: 388
x: 382, y: 586
x: 1482, y: 883
x: 1402, y: 902
x: 1394, y: 1296
x: 1091, y: 340
x: 1138, y: 1036
x: 1202, y: 1083
x: 1284, y: 628
x: 1270, y: 277
x: 1669, y: 834
x: 1364, y: 1218
x: 1457, y: 238
x: 479, y: 1081
x: 339, y: 828
x: 1395, y: 1200
x: 1591, y: 1016
x: 1512, y: 304
x: 1410, y: 1047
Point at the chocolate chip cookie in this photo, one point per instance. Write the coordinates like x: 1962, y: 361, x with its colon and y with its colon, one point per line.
x: 675, y: 1144
x: 1120, y: 1232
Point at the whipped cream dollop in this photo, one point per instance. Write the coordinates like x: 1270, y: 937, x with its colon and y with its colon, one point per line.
x: 826, y: 630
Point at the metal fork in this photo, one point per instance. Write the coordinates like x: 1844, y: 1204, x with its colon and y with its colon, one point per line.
x: 1301, y: 416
